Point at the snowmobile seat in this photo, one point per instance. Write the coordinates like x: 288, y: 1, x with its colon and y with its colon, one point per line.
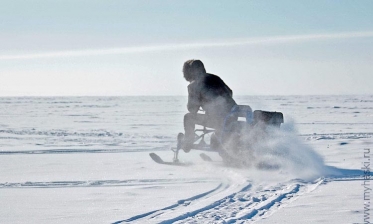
x: 244, y: 111
x: 251, y: 118
x: 233, y: 122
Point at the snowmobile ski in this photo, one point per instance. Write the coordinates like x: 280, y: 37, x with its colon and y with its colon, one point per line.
x: 159, y: 160
x: 205, y: 157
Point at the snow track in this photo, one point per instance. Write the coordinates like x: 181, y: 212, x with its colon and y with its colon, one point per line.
x: 103, y: 183
x: 183, y: 202
x: 230, y: 202
x: 332, y: 136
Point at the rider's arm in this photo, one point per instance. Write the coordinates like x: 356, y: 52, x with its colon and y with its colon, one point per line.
x: 193, y: 99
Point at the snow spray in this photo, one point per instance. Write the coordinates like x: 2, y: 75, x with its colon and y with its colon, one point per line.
x: 284, y: 149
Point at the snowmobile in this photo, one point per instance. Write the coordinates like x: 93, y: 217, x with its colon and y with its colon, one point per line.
x: 241, y: 129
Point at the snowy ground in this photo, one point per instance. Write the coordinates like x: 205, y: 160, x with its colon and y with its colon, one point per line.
x: 85, y: 160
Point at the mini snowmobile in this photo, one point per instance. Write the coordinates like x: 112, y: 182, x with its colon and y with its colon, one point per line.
x: 241, y: 129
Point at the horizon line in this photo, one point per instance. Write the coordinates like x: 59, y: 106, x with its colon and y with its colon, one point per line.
x: 238, y: 95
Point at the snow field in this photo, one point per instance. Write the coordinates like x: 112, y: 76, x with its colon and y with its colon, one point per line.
x: 85, y: 160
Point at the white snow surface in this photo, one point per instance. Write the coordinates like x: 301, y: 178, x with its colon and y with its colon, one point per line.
x: 85, y: 160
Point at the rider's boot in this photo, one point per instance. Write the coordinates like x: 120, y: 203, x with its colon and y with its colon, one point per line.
x: 184, y: 142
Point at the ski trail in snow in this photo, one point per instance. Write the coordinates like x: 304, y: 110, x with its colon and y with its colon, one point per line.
x: 102, y: 183
x: 182, y: 202
x: 214, y: 205
x: 245, y: 206
x: 243, y: 202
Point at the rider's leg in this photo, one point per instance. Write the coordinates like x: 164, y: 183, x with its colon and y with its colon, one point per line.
x: 190, y: 121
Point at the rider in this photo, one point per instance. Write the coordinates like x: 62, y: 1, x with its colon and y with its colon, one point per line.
x: 209, y: 92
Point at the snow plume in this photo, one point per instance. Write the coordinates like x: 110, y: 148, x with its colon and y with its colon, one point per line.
x: 282, y: 149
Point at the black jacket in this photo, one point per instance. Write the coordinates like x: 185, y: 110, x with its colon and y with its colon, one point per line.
x: 212, y: 94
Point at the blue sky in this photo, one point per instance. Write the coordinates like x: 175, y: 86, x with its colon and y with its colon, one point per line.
x: 138, y: 47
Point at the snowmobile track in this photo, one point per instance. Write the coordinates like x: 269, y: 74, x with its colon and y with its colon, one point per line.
x: 246, y: 204
x: 182, y: 202
x: 239, y: 206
